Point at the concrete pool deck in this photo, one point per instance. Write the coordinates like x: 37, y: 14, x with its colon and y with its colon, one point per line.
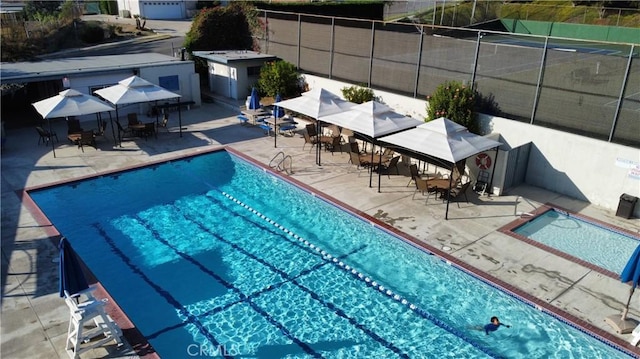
x: 35, y: 319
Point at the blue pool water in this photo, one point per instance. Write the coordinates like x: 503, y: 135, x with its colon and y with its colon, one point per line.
x: 189, y: 251
x: 600, y: 246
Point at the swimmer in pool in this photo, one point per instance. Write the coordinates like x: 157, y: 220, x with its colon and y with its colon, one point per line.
x: 494, y: 325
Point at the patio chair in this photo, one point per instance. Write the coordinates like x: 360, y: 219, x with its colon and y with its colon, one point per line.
x: 422, y: 186
x: 390, y: 167
x: 163, y: 124
x: 87, y: 138
x: 413, y: 169
x: 148, y: 130
x: 124, y: 132
x: 309, y: 140
x: 73, y: 126
x: 359, y: 160
x: 456, y: 193
x: 311, y: 130
x: 331, y: 143
x: 132, y: 119
x: 101, y: 130
x: 46, y: 136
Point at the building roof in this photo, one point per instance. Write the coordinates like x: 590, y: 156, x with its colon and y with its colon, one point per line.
x: 17, y: 72
x: 229, y: 56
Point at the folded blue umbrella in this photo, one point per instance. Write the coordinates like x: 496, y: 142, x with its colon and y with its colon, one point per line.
x: 254, y: 100
x: 631, y: 271
x: 72, y: 277
x: 278, y: 112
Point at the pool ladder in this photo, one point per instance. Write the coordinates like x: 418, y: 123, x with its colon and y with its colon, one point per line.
x: 279, y: 162
x: 524, y: 214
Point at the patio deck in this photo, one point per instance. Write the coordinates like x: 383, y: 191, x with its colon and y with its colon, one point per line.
x: 35, y: 319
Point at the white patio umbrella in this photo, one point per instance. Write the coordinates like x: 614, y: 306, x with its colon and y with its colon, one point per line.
x: 70, y: 103
x: 316, y: 103
x: 135, y: 89
x: 442, y: 139
x: 373, y: 119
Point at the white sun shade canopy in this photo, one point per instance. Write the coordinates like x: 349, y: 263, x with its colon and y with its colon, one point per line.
x: 443, y: 139
x: 70, y: 103
x: 373, y: 119
x: 316, y: 103
x: 135, y: 90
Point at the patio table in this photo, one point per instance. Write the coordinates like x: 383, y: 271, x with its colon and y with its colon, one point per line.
x: 254, y: 114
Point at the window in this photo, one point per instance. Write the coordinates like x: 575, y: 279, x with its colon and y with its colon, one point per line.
x: 171, y: 83
x: 253, y: 71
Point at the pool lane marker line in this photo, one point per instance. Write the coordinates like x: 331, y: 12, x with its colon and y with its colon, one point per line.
x: 368, y: 281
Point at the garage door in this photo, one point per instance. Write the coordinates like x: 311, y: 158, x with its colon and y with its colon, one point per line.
x: 162, y: 9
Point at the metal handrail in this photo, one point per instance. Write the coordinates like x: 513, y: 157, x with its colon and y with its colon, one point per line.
x: 524, y: 214
x: 281, y: 165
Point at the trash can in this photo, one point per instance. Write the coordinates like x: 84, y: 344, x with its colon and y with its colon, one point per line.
x: 626, y: 205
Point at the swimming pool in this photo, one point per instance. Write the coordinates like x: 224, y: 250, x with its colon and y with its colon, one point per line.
x: 226, y: 258
x: 603, y: 247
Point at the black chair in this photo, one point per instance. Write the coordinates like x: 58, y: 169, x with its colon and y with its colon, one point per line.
x: 124, y: 132
x: 73, y: 126
x: 390, y: 167
x: 46, y: 136
x: 87, y: 138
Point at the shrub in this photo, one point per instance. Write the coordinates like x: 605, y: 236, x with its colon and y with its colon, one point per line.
x: 279, y: 77
x: 456, y: 102
x: 92, y: 33
x: 358, y: 94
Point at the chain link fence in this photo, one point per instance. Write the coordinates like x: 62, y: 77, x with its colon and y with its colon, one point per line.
x: 584, y: 87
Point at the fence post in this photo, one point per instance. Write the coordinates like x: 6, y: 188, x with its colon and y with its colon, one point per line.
x: 331, y: 50
x: 539, y: 82
x: 621, y: 97
x: 475, y: 61
x: 415, y: 86
x: 299, y: 36
x: 373, y: 35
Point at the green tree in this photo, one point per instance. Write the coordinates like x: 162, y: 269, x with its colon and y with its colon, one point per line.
x: 279, y: 77
x: 219, y: 28
x: 358, y: 94
x: 38, y: 9
x: 456, y: 102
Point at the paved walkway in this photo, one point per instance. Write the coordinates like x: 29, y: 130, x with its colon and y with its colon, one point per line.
x: 35, y: 319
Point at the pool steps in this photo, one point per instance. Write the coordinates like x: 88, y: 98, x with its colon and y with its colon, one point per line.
x: 368, y: 281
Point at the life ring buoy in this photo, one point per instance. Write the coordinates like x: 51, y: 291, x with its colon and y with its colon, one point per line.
x: 483, y: 161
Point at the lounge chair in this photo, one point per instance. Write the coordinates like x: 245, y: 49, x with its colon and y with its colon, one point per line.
x: 46, y: 136
x: 87, y: 138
